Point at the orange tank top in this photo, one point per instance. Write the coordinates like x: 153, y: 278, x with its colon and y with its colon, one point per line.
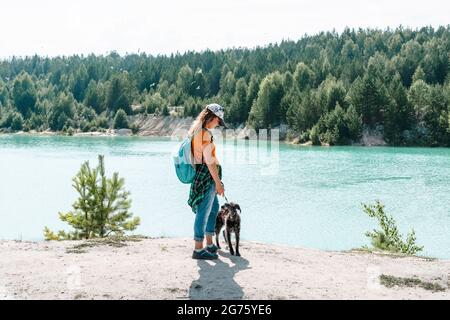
x: 198, y: 156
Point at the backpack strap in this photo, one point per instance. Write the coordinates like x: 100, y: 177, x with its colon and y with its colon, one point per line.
x: 194, y: 134
x: 196, y: 131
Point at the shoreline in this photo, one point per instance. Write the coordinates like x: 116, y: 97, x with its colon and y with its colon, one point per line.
x: 162, y: 268
x: 307, y: 144
x: 169, y: 126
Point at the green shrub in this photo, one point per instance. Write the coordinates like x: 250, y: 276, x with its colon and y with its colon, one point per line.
x: 134, y: 128
x: 17, y: 122
x: 37, y: 121
x: 314, y: 135
x: 304, y: 136
x: 70, y: 131
x: 121, y: 120
x: 85, y: 126
x: 102, y: 122
x: 337, y: 127
x: 333, y: 128
x: 164, y: 111
x: 389, y: 238
x: 153, y: 102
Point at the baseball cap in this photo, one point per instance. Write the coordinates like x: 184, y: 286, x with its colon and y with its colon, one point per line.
x: 217, y: 109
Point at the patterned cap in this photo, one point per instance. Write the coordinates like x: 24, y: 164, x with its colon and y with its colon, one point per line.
x: 217, y: 109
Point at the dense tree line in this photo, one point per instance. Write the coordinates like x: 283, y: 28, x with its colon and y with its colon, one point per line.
x: 328, y: 87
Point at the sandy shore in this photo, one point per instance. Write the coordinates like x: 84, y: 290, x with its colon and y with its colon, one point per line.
x: 163, y: 269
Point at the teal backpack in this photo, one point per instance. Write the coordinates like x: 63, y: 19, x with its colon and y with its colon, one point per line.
x: 184, y: 164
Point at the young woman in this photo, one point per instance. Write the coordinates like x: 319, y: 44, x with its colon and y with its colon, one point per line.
x: 207, y: 182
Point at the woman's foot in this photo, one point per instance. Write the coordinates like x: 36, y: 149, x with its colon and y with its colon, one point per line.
x: 212, y: 248
x: 204, y: 254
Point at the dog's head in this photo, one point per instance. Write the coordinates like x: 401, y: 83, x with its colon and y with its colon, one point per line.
x: 231, y: 208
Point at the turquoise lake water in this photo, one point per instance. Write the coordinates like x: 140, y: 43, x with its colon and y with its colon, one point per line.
x: 303, y: 196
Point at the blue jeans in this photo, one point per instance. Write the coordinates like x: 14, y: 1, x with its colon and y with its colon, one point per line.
x: 205, y: 217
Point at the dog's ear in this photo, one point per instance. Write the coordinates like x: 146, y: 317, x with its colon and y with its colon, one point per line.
x: 236, y: 206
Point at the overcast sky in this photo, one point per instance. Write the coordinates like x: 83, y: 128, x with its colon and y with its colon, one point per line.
x: 59, y: 27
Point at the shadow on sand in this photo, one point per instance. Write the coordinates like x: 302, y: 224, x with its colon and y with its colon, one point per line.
x: 216, y: 279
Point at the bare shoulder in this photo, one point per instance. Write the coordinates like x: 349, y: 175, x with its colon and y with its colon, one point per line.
x: 207, y: 135
x: 203, y: 137
x: 198, y: 135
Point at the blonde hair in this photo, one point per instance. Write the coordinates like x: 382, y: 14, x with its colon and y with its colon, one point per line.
x: 202, y: 120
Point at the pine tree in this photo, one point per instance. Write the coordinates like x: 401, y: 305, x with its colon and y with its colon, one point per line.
x: 302, y: 113
x: 78, y: 83
x: 418, y: 96
x: 62, y: 112
x: 24, y: 94
x: 333, y: 127
x: 154, y: 102
x: 399, y: 115
x: 101, y: 209
x: 17, y: 122
x: 303, y: 76
x: 227, y: 87
x: 353, y: 121
x: 253, y: 89
x: 436, y: 116
x: 369, y: 96
x: 418, y: 75
x: 185, y: 80
x: 94, y: 97
x: 266, y: 109
x: 119, y: 94
x: 4, y: 99
x: 239, y: 111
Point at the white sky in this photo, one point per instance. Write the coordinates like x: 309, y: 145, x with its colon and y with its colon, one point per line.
x: 61, y: 27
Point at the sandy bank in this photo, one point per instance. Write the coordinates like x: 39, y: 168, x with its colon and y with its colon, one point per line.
x: 163, y: 269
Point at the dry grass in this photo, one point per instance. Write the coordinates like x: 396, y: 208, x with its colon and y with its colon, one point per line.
x: 113, y: 241
x: 391, y: 281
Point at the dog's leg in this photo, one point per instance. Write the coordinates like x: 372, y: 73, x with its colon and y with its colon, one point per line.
x: 217, y: 239
x: 229, y: 242
x: 225, y: 236
x: 218, y: 227
x: 237, y: 243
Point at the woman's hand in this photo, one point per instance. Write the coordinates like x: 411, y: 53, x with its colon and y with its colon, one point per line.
x: 220, y: 189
